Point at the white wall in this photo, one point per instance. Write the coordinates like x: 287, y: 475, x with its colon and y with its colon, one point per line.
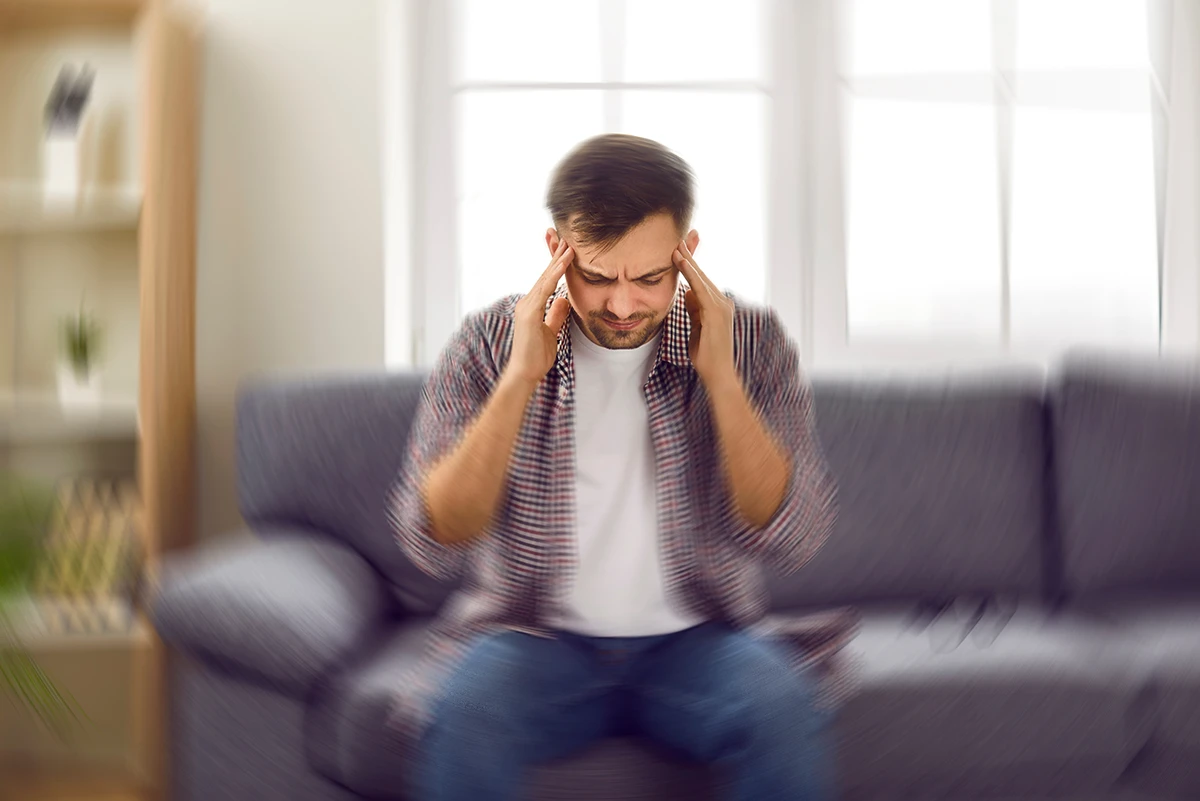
x: 290, y: 251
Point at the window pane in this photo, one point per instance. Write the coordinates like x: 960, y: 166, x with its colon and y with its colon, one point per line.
x: 723, y: 136
x: 509, y: 144
x: 922, y: 221
x: 887, y: 37
x: 1066, y: 34
x: 531, y: 40
x: 1084, y: 243
x: 695, y: 40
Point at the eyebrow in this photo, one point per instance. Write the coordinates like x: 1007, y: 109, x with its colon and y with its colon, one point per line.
x: 592, y: 273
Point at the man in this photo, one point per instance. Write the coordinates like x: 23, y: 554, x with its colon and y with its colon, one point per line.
x: 610, y: 466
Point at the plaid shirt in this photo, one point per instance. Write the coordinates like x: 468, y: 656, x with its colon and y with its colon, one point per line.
x: 520, y: 569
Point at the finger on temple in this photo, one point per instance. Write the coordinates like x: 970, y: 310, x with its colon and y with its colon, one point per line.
x: 549, y: 279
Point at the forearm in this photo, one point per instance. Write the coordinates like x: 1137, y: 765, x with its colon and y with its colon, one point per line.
x: 756, y: 468
x: 462, y: 492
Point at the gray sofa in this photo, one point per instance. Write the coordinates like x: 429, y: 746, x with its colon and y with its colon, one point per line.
x: 1025, y: 552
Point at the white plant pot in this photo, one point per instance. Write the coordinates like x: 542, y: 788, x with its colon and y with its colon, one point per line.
x: 61, y: 167
x: 78, y: 392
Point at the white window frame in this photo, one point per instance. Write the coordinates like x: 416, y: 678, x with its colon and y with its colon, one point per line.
x: 433, y: 237
x: 830, y: 346
x: 806, y: 249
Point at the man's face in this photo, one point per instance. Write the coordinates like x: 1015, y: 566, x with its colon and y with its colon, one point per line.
x: 621, y: 296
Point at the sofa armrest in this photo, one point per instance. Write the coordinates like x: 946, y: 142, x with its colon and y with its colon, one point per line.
x: 288, y: 607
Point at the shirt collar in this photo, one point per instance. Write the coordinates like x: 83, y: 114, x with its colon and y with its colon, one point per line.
x: 673, y: 349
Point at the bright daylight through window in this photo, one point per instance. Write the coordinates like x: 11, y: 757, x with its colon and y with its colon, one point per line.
x: 996, y: 188
x: 1001, y: 176
x: 538, y: 76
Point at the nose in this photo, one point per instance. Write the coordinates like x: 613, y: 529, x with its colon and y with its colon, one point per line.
x: 620, y: 302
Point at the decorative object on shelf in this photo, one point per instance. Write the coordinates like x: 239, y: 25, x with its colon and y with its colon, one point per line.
x: 86, y: 580
x: 79, y: 380
x: 65, y: 109
x: 25, y: 511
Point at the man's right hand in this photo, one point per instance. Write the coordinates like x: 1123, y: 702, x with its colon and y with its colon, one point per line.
x: 462, y: 492
x: 535, y: 333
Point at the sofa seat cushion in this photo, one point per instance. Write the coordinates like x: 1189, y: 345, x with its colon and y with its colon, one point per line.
x: 1160, y: 637
x: 347, y: 739
x: 346, y: 732
x: 1116, y: 794
x: 1048, y: 707
x: 1043, y: 708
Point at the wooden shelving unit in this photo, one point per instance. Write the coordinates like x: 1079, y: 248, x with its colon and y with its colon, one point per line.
x: 24, y: 212
x: 125, y: 247
x: 31, y: 419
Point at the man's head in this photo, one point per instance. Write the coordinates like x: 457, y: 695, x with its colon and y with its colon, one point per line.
x: 622, y: 203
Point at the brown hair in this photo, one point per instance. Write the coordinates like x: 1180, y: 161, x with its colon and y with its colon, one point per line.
x: 610, y: 183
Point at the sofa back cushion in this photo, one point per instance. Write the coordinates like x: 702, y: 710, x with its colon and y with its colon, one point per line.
x: 323, y: 453
x: 942, y: 489
x: 1127, y: 456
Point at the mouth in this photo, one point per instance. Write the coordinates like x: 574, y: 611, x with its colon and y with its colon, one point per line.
x: 628, y: 326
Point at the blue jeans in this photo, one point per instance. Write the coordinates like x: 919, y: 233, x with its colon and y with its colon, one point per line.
x: 709, y: 694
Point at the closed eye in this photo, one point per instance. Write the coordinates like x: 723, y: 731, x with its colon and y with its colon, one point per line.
x: 591, y: 279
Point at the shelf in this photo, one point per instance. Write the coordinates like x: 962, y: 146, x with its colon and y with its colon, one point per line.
x: 27, y: 419
x: 58, y: 782
x: 39, y: 638
x: 25, y: 210
x: 18, y: 13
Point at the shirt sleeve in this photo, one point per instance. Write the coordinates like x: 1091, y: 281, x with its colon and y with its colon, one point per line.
x: 782, y: 396
x: 453, y: 396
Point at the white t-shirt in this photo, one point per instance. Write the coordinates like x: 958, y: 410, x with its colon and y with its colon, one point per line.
x: 619, y: 589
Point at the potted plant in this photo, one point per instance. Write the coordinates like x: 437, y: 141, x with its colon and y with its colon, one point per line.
x: 78, y: 369
x: 25, y: 513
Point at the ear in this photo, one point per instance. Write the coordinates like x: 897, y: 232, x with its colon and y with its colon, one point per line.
x: 552, y: 240
x: 693, y: 240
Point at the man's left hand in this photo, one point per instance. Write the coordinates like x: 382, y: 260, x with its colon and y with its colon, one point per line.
x: 711, y: 343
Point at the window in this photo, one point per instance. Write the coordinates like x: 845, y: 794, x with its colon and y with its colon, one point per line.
x: 939, y: 180
x: 529, y: 79
x: 999, y: 177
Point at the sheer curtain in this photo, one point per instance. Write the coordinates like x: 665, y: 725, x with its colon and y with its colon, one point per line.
x: 1018, y: 179
x: 930, y: 266
x: 1180, y: 65
x: 505, y: 88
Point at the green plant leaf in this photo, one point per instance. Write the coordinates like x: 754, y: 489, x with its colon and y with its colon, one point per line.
x: 31, y: 688
x: 26, y: 509
x: 81, y: 340
x: 25, y: 512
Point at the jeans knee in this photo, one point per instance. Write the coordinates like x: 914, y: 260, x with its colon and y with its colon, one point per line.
x: 782, y: 700
x: 489, y: 688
